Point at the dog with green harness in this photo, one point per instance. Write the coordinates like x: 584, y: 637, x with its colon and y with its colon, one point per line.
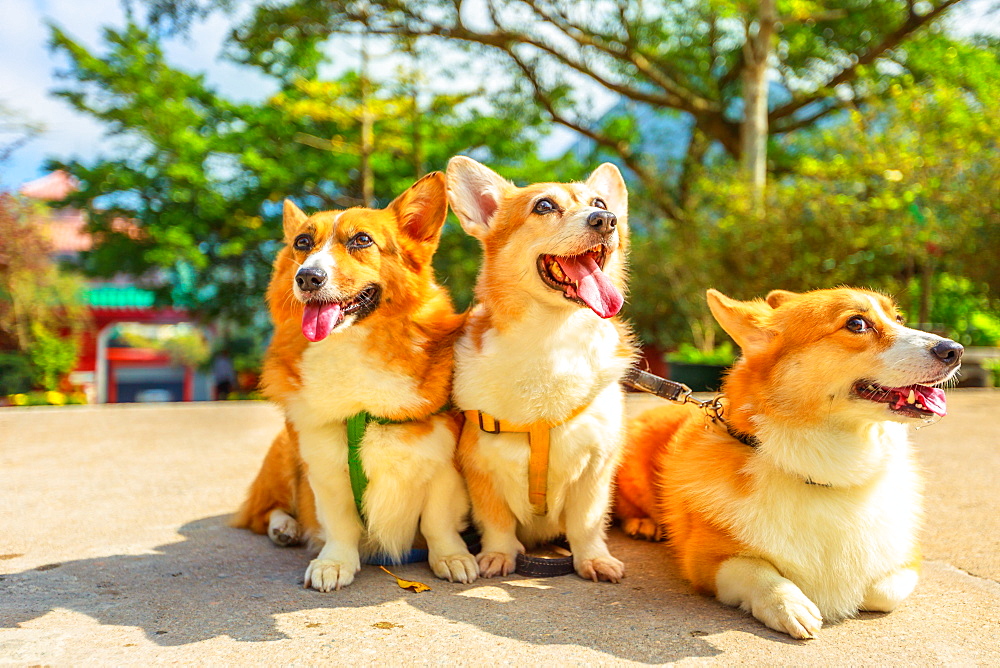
x: 361, y: 364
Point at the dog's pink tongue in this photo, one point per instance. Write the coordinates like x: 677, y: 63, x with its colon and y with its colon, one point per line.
x: 592, y: 285
x: 318, y: 320
x: 932, y: 398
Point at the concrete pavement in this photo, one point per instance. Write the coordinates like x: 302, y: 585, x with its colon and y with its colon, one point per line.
x: 114, y: 549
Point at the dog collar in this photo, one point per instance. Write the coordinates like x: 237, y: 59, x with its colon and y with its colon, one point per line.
x: 742, y: 436
x: 752, y: 441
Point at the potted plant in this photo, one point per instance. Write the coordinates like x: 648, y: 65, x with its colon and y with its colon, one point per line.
x: 701, y: 370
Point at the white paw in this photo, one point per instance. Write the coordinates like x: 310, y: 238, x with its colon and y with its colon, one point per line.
x: 329, y: 575
x: 460, y: 567
x: 283, y: 529
x: 496, y: 563
x: 788, y: 610
x: 601, y: 568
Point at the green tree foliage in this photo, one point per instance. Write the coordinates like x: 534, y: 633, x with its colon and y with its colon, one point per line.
x: 688, y: 56
x: 887, y: 196
x: 878, y: 125
x: 41, y: 311
x: 202, y: 177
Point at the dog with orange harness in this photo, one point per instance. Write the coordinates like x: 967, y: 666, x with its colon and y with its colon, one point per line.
x: 538, y: 364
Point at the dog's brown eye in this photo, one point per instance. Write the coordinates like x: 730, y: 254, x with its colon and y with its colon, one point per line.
x: 303, y: 242
x: 900, y: 319
x: 359, y: 241
x: 544, y: 206
x: 858, y: 325
x: 599, y: 203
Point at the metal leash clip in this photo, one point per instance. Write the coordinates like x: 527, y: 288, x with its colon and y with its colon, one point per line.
x: 673, y: 391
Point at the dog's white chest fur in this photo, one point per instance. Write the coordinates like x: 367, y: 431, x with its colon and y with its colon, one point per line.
x: 341, y: 377
x: 545, y: 367
x: 835, y: 542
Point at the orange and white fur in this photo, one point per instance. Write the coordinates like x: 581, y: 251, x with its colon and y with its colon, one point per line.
x: 360, y: 324
x: 540, y: 343
x: 816, y: 516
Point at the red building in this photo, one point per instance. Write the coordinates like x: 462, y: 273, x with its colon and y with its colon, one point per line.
x: 110, y: 369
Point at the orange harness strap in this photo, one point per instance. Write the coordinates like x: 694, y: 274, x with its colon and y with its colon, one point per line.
x: 538, y: 442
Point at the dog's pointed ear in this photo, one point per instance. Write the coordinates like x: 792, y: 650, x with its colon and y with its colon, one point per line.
x: 776, y: 298
x: 292, y: 220
x: 474, y: 192
x: 744, y: 321
x: 608, y: 182
x: 422, y: 208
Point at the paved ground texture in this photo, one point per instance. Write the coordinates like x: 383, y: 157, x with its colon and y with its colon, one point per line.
x: 114, y: 549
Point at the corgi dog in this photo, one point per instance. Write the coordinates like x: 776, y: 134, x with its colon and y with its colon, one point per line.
x: 538, y: 364
x: 362, y: 330
x: 802, y: 503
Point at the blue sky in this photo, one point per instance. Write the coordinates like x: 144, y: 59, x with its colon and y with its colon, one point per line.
x: 27, y: 71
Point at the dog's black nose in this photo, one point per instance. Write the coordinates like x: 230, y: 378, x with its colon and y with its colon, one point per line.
x: 603, y: 221
x: 948, y: 352
x: 310, y: 279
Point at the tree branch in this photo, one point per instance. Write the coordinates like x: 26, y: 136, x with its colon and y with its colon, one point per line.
x: 687, y: 100
x: 912, y: 23
x: 672, y: 95
x: 653, y: 185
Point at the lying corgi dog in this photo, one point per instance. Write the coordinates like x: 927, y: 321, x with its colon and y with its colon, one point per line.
x: 538, y: 364
x: 802, y: 503
x: 361, y: 362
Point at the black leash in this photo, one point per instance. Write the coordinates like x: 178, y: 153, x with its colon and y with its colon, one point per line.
x: 672, y: 391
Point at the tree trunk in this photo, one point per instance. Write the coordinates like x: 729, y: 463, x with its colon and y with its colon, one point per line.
x: 753, y: 136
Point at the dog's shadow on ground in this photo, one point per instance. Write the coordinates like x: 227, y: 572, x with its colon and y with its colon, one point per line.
x: 220, y: 581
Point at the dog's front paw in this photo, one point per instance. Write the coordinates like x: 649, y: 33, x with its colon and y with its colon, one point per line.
x: 788, y: 610
x: 643, y: 528
x: 456, y: 568
x: 496, y: 563
x: 601, y: 568
x: 329, y: 575
x: 283, y: 529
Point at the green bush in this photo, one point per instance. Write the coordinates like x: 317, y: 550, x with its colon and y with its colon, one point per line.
x: 722, y: 355
x: 964, y: 311
x: 17, y: 374
x: 53, y: 356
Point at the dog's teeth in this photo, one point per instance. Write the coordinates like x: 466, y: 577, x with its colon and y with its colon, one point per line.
x: 871, y: 387
x: 912, y: 398
x: 920, y: 406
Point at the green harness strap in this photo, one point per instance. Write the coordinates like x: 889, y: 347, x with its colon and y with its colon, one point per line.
x: 357, y: 425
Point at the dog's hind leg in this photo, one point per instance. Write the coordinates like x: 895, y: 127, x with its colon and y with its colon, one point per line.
x: 643, y: 528
x: 283, y: 529
x: 889, y: 592
x: 634, y: 521
x: 271, y: 497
